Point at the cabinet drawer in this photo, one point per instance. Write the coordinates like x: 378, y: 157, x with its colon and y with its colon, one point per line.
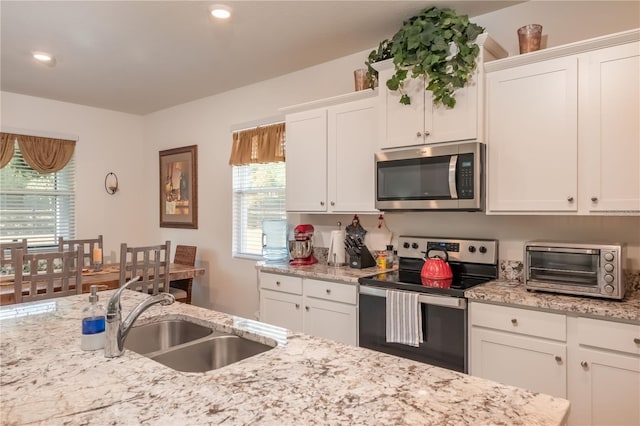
x: 284, y: 283
x: 522, y: 321
x: 609, y: 335
x: 337, y: 292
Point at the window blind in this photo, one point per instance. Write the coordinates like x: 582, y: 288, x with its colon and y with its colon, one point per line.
x: 258, y: 194
x: 36, y: 206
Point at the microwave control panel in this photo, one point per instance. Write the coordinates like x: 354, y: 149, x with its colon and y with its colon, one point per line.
x: 464, y: 176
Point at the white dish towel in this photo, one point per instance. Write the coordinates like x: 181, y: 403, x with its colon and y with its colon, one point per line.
x: 404, y: 318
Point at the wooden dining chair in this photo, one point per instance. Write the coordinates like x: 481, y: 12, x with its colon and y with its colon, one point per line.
x: 150, y: 263
x: 181, y: 289
x: 87, y: 246
x: 8, y: 255
x: 49, y: 275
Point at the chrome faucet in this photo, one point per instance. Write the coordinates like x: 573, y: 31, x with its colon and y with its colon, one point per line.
x: 116, y: 330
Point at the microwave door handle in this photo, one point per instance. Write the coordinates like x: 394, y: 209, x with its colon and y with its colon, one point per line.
x: 453, y: 165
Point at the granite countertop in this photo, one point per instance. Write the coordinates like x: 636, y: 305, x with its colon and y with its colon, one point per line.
x: 47, y: 379
x: 513, y: 293
x: 321, y: 271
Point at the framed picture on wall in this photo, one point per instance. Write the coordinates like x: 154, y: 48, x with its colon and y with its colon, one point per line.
x: 179, y: 187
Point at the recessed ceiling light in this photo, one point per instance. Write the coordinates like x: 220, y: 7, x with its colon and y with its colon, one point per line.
x: 44, y: 58
x: 221, y: 11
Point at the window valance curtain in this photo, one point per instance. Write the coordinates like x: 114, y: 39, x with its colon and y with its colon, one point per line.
x: 263, y: 144
x: 45, y: 155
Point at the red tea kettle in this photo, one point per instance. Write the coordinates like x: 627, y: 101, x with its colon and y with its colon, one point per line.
x: 435, y: 268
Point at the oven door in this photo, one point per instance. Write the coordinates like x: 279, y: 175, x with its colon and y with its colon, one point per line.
x: 444, y: 328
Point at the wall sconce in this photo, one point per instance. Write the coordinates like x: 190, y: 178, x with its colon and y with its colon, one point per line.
x: 111, y: 183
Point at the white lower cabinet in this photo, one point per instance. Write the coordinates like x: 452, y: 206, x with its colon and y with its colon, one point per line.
x: 595, y: 364
x: 319, y: 308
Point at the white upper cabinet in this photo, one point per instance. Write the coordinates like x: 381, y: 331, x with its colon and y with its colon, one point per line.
x: 330, y: 156
x: 423, y: 123
x: 562, y: 129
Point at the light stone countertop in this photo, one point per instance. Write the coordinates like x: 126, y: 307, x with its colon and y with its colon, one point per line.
x: 321, y: 271
x: 47, y: 379
x: 513, y: 293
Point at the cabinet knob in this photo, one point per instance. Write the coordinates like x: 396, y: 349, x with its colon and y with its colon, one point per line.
x: 594, y: 199
x: 426, y: 133
x: 636, y: 340
x: 584, y: 364
x: 328, y: 291
x: 297, y: 306
x: 419, y: 134
x: 322, y: 203
x: 558, y: 358
x: 570, y: 199
x: 514, y: 321
x: 277, y: 283
x: 333, y: 203
x: 306, y: 308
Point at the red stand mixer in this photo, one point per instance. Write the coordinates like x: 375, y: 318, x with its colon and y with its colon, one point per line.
x: 301, y: 247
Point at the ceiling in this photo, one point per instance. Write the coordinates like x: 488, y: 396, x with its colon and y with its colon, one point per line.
x: 144, y: 56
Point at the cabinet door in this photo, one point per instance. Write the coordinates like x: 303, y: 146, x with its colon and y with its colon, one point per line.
x: 307, y: 161
x: 610, y: 133
x: 604, y: 388
x: 532, y: 137
x: 530, y: 363
x: 403, y: 124
x: 281, y: 309
x: 443, y: 124
x: 331, y: 320
x: 352, y: 142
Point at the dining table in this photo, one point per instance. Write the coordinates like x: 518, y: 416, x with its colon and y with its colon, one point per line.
x: 108, y: 277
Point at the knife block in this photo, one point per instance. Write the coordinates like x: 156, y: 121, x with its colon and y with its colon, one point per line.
x: 363, y: 260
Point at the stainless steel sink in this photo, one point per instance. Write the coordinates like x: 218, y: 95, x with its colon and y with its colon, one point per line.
x: 186, y: 346
x: 210, y: 353
x: 162, y: 335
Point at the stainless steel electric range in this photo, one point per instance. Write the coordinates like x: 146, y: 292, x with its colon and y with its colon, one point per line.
x: 444, y: 310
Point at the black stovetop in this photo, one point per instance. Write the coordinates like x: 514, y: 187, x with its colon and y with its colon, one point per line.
x: 465, y: 276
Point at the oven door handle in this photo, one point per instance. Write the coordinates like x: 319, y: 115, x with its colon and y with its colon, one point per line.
x: 448, y: 302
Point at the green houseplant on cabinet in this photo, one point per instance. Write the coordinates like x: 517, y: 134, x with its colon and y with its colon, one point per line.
x: 437, y: 45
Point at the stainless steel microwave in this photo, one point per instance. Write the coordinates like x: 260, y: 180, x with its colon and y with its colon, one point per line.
x: 440, y: 177
x: 571, y: 268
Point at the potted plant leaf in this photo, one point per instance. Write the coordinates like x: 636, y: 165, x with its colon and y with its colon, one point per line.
x: 438, y: 45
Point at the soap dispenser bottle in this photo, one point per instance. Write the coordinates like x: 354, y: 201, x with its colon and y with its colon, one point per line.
x: 93, y: 323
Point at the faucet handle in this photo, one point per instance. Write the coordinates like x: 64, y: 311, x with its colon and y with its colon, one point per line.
x: 113, y: 307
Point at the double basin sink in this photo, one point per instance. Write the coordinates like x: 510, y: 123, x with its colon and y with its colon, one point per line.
x: 186, y: 346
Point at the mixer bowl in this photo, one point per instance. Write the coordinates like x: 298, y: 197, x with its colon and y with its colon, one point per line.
x: 300, y: 249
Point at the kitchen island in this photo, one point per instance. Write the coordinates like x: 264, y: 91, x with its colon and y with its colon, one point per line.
x: 46, y: 379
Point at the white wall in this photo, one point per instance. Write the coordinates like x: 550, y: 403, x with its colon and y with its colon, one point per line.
x: 108, y: 141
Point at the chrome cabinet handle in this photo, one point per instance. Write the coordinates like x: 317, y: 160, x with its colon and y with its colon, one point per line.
x: 306, y: 308
x: 570, y: 199
x: 297, y: 306
x: 584, y: 364
x: 514, y: 321
x: 558, y: 358
x: 636, y: 340
x: 328, y: 291
x: 594, y: 199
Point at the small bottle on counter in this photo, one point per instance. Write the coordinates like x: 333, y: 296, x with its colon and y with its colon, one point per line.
x: 381, y: 260
x: 93, y: 323
x: 391, y: 260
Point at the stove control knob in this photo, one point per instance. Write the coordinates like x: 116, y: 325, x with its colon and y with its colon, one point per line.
x: 472, y: 249
x: 482, y: 249
x: 608, y: 288
x: 406, y: 245
x: 415, y: 246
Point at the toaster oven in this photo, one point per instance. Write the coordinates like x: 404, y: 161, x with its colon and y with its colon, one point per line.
x: 575, y: 268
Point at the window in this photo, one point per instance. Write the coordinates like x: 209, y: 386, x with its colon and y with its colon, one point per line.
x: 258, y: 194
x: 36, y: 206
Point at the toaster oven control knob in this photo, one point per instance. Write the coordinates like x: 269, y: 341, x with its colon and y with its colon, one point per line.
x: 608, y: 278
x: 415, y: 246
x: 608, y: 257
x: 406, y: 245
x: 608, y: 288
x: 482, y: 249
x: 472, y: 249
x: 608, y: 267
